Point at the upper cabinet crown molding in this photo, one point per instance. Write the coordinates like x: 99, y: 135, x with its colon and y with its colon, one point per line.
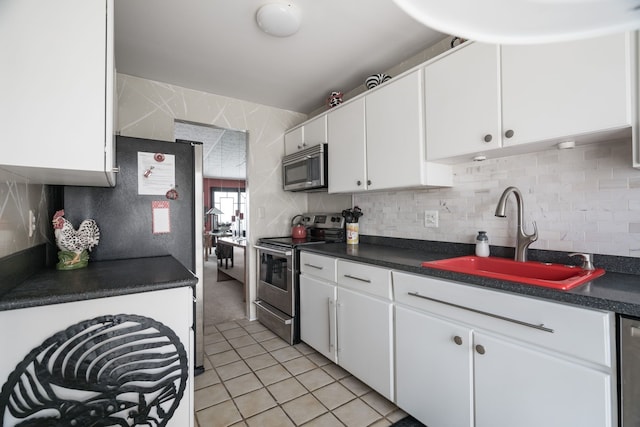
x: 57, y: 104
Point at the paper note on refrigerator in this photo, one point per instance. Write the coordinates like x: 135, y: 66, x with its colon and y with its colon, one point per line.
x: 156, y: 173
x: 161, y: 220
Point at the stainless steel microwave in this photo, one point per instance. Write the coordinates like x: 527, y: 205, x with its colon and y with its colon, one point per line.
x: 306, y: 170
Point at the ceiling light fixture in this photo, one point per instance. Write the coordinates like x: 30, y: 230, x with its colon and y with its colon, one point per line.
x: 278, y: 19
x: 525, y: 21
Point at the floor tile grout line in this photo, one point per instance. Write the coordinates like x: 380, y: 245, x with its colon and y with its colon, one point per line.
x: 264, y: 386
x: 278, y: 404
x: 334, y: 380
x: 294, y: 376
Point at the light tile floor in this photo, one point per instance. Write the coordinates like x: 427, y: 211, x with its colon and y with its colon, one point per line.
x: 253, y: 378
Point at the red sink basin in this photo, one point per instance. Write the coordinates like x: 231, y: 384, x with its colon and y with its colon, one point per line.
x: 556, y: 276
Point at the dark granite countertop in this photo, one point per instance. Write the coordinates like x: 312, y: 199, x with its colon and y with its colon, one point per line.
x: 618, y: 290
x: 100, y: 279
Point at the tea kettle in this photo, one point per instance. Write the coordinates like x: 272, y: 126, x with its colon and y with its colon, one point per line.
x: 298, y: 231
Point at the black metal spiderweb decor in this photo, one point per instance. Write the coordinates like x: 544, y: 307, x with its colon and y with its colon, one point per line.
x: 121, y: 370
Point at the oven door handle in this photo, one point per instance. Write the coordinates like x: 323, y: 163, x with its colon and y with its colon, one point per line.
x: 281, y: 252
x: 285, y: 321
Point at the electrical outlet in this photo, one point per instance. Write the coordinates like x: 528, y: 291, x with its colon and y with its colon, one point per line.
x: 431, y: 219
x: 32, y: 223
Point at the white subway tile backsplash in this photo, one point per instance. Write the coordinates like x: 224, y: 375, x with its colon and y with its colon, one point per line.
x: 586, y: 199
x: 612, y: 227
x: 613, y: 183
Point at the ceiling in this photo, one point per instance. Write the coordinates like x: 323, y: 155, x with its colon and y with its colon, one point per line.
x: 215, y: 46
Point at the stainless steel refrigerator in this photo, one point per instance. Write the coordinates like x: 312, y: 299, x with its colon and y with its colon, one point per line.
x: 134, y: 224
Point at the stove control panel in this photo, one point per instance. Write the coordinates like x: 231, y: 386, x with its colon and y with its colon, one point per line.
x: 323, y: 220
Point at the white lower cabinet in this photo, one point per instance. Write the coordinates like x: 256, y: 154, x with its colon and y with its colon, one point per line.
x: 364, y: 339
x: 434, y: 372
x: 318, y: 315
x: 516, y: 385
x: 121, y: 360
x: 346, y: 314
x: 491, y: 359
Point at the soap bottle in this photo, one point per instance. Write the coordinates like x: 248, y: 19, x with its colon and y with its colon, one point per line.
x: 482, y: 244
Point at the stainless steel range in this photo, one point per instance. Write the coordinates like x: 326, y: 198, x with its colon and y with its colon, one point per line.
x: 278, y: 301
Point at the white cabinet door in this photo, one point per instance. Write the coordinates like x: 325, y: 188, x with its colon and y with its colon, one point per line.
x: 347, y: 155
x: 293, y: 140
x: 315, y: 131
x: 517, y: 386
x: 395, y: 135
x: 434, y: 369
x: 364, y: 339
x: 56, y: 108
x: 462, y: 104
x: 311, y: 133
x: 318, y: 315
x: 562, y: 89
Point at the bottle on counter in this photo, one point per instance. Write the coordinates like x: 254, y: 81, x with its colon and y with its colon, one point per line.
x: 482, y: 244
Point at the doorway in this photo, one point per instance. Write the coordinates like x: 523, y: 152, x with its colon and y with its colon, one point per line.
x: 225, y: 208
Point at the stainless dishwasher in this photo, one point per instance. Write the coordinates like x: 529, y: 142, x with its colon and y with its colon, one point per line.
x: 629, y: 371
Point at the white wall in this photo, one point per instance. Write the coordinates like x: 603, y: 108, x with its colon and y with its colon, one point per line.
x: 585, y: 200
x: 147, y: 109
x: 16, y: 198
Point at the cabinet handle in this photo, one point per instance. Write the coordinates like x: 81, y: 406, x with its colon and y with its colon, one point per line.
x: 313, y: 266
x: 540, y: 327
x: 357, y: 278
x: 304, y: 144
x: 338, y: 310
x: 368, y: 182
x: 299, y: 146
x: 509, y: 133
x: 488, y: 137
x: 480, y: 349
x: 331, y: 312
x: 359, y: 183
x: 457, y: 340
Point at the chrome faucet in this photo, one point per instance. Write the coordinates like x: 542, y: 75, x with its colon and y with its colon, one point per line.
x: 523, y: 240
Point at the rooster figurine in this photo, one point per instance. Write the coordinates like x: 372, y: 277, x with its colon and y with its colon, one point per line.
x: 74, y: 244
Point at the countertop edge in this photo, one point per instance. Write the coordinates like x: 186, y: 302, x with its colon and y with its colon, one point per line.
x: 101, y: 279
x: 611, y: 292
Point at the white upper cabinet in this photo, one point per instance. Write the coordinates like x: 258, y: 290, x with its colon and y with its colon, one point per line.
x: 396, y: 155
x: 566, y: 89
x: 462, y: 102
x: 493, y: 100
x: 293, y: 140
x: 380, y: 139
x: 311, y: 133
x: 347, y: 161
x: 57, y: 103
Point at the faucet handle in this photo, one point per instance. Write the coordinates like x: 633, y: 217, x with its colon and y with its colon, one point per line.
x: 587, y: 260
